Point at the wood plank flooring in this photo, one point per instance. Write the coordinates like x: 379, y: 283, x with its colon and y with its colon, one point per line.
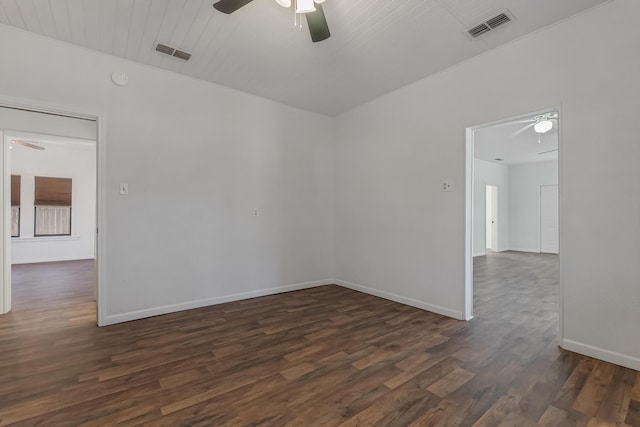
x: 320, y: 357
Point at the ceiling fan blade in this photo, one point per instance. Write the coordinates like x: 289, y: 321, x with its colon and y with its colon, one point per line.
x: 27, y: 144
x: 523, y: 129
x: 549, y: 151
x: 318, y: 26
x: 230, y: 6
x: 512, y: 123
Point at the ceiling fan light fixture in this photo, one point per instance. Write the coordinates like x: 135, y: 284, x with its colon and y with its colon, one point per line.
x: 305, y: 6
x: 284, y: 3
x: 543, y: 126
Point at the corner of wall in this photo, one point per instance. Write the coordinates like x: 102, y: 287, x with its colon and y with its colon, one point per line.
x: 602, y: 354
x: 445, y: 311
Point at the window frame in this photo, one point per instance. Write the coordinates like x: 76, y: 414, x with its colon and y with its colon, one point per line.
x: 35, y: 221
x: 52, y: 201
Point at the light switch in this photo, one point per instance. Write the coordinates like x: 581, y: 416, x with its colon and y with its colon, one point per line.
x: 124, y: 188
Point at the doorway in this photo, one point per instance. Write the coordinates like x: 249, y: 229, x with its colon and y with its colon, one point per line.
x: 549, y: 218
x: 57, y: 209
x: 512, y: 214
x: 491, y: 218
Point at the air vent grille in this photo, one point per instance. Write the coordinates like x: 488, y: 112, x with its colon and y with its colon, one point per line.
x: 163, y: 48
x: 182, y: 55
x: 478, y: 30
x: 490, y: 24
x: 498, y: 20
x: 176, y: 53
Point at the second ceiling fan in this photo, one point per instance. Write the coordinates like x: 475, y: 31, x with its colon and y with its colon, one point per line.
x: 311, y: 9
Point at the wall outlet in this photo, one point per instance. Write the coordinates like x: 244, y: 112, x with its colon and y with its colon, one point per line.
x: 446, y: 186
x: 124, y: 188
x: 256, y: 212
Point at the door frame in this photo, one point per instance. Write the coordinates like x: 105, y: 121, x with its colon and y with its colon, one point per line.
x: 101, y: 209
x: 5, y: 228
x: 468, y: 209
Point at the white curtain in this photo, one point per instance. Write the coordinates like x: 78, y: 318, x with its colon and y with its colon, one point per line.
x: 15, y: 221
x: 53, y: 220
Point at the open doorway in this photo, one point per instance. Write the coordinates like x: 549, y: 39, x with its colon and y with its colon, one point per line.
x: 513, y: 233
x: 49, y: 176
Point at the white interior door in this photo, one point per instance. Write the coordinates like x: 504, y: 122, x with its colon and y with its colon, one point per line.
x: 549, y: 235
x: 491, y: 216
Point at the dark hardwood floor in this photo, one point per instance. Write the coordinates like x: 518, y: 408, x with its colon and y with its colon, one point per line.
x: 320, y: 357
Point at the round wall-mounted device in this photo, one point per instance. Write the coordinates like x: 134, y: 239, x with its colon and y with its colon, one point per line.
x: 119, y: 78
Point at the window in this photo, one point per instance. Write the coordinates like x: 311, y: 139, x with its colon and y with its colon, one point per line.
x: 15, y: 205
x: 52, y: 206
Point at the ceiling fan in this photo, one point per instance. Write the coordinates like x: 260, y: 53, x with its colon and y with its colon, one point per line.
x: 542, y: 123
x: 311, y: 9
x: 29, y: 144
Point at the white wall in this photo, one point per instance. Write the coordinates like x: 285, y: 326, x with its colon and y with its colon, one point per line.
x: 75, y: 161
x: 198, y: 159
x: 524, y: 203
x: 488, y: 173
x: 398, y: 234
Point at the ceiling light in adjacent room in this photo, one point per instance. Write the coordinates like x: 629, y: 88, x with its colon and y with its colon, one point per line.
x: 543, y: 126
x: 305, y: 6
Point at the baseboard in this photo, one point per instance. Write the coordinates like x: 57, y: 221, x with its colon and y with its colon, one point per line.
x: 403, y: 300
x: 157, y: 311
x: 535, y: 251
x: 475, y: 254
x: 602, y: 354
x: 51, y: 259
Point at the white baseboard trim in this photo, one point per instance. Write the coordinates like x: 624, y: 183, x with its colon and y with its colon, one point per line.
x: 403, y: 300
x: 51, y: 259
x: 475, y: 254
x: 535, y: 251
x: 602, y: 354
x: 157, y: 311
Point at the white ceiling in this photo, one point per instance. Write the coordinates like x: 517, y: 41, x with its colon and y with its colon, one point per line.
x: 376, y: 45
x: 499, y: 142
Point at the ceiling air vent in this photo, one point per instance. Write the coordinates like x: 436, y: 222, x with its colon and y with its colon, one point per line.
x: 478, y: 30
x: 490, y: 24
x: 163, y: 48
x: 496, y: 21
x: 180, y: 54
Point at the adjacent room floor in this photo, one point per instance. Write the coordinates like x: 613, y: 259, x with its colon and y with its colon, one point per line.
x: 320, y: 357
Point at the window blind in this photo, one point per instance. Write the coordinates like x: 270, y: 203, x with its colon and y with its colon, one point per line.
x: 15, y: 190
x: 52, y: 191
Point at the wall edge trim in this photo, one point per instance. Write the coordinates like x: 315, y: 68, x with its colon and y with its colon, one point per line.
x: 434, y: 308
x: 53, y: 259
x: 616, y: 358
x: 188, y: 305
